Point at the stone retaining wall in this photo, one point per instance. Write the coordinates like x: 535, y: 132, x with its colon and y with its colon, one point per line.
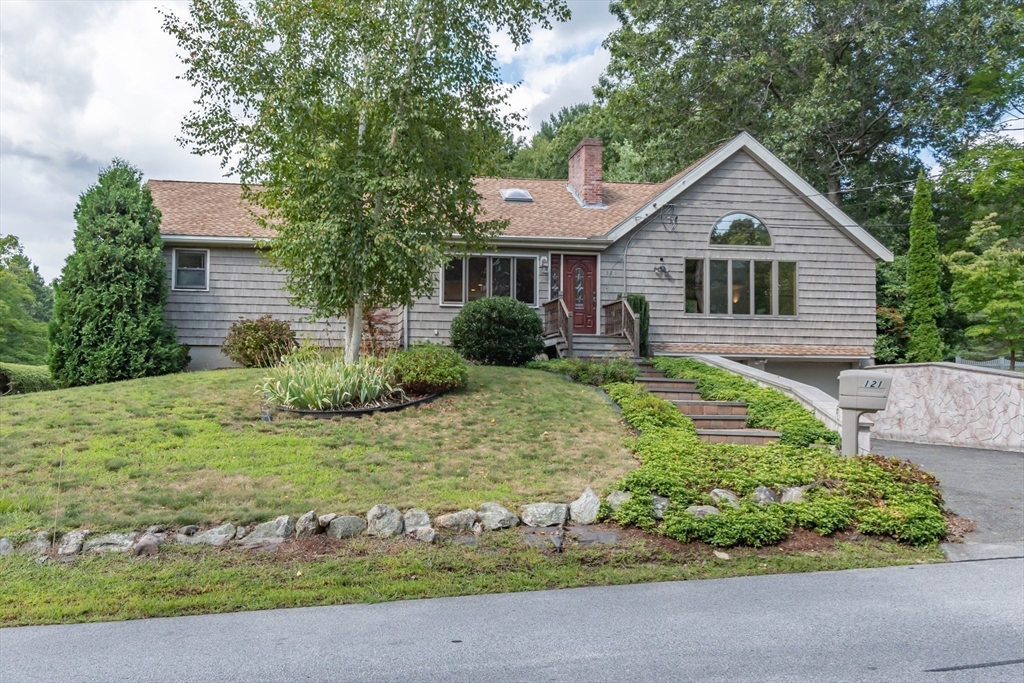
x: 953, y: 405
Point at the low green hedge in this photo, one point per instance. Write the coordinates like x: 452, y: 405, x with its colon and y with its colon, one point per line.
x: 875, y: 494
x: 590, y: 371
x: 23, y: 379
x: 766, y: 408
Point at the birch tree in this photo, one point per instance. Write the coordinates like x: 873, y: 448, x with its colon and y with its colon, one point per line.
x: 355, y: 127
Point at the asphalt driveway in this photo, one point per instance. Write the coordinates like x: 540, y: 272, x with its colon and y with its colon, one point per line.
x: 982, y: 485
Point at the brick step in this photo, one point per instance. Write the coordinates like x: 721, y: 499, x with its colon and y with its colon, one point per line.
x: 745, y: 437
x: 653, y: 383
x: 675, y: 394
x: 691, y: 408
x: 651, y: 372
x: 719, y: 421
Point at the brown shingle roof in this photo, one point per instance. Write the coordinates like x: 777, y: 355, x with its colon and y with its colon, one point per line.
x: 203, y: 209
x: 217, y: 210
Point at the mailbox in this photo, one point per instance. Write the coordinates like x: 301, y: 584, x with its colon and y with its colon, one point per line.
x: 864, y: 390
x: 860, y: 391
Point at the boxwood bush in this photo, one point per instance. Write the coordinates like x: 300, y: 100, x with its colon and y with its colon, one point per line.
x: 22, y: 379
x: 766, y: 408
x: 430, y: 369
x: 259, y: 343
x: 876, y: 495
x: 497, y: 331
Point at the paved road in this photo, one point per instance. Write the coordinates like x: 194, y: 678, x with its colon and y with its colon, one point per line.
x: 983, y: 485
x: 921, y: 623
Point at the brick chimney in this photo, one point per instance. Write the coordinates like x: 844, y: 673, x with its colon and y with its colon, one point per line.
x: 585, y: 173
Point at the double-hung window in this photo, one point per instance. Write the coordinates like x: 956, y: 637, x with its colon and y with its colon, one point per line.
x: 476, y: 277
x: 191, y: 269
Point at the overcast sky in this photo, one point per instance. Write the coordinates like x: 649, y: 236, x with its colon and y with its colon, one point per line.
x: 82, y: 82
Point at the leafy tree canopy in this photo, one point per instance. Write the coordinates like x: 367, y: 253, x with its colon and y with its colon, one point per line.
x: 22, y: 334
x: 356, y: 126
x: 847, y: 92
x: 108, y: 319
x: 989, y: 286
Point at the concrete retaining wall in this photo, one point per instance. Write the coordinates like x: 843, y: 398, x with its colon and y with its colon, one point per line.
x: 953, y: 405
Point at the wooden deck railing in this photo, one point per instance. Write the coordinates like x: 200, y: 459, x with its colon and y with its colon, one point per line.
x: 558, y: 320
x: 619, y: 319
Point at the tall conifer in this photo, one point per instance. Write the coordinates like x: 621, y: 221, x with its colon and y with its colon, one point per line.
x: 108, y: 319
x: 924, y: 296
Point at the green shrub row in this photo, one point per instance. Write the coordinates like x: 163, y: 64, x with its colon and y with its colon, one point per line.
x: 875, y: 494
x: 23, y: 379
x: 766, y: 408
x: 590, y: 371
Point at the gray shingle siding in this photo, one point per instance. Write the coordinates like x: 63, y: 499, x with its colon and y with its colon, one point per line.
x: 836, y: 278
x: 241, y: 285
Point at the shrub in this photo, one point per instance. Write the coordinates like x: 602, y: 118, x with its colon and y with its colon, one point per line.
x: 766, y: 408
x: 880, y: 496
x: 497, y: 331
x: 108, y: 319
x: 313, y: 380
x: 638, y: 302
x: 22, y: 379
x: 430, y: 369
x: 592, y: 372
x: 259, y: 343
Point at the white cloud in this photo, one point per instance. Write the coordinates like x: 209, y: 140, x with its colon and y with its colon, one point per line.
x: 83, y: 82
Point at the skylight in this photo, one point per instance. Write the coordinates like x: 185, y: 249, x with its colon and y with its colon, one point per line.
x: 515, y: 194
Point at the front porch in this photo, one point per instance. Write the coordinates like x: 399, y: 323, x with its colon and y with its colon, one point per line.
x: 619, y: 331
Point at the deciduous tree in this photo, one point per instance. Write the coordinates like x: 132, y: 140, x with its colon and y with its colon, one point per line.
x: 988, y: 286
x: 845, y: 91
x: 355, y: 126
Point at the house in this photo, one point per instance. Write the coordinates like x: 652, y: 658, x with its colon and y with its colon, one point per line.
x: 737, y: 256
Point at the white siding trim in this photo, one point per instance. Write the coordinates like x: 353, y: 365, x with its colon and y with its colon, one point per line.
x: 174, y: 271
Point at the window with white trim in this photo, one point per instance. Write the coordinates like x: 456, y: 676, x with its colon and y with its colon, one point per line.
x: 476, y: 277
x: 191, y: 269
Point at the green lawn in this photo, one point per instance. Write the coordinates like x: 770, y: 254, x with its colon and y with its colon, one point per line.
x: 191, y: 448
x: 194, y: 580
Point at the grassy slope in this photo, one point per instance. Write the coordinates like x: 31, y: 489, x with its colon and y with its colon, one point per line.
x: 190, y: 448
x: 192, y: 580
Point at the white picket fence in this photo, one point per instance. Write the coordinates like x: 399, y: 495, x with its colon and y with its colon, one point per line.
x: 995, y: 364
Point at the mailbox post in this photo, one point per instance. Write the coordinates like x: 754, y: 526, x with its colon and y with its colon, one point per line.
x: 860, y: 391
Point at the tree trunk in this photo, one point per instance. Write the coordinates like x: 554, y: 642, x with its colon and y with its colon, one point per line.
x: 354, y: 331
x: 1013, y: 359
x: 834, y: 195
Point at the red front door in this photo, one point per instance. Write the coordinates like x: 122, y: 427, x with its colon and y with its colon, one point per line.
x: 579, y: 289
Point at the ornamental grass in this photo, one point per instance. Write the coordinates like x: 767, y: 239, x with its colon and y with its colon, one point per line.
x: 313, y: 379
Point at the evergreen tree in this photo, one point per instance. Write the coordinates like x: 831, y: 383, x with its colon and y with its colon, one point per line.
x: 924, y: 296
x: 108, y: 319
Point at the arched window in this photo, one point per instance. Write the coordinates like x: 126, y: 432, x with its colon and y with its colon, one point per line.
x: 740, y: 229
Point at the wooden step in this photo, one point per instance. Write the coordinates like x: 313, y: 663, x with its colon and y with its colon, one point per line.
x: 719, y: 421
x: 653, y: 383
x: 651, y: 373
x: 675, y: 394
x: 745, y: 437
x: 691, y: 408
